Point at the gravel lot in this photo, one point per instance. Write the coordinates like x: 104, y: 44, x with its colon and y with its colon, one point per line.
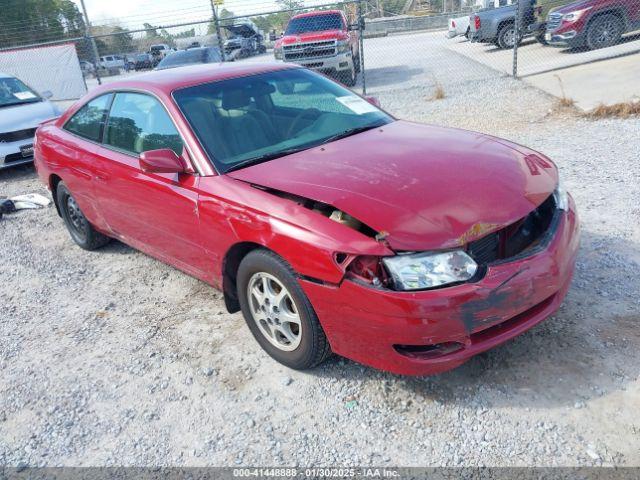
x: 112, y: 358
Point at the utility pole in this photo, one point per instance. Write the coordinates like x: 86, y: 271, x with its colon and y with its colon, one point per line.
x: 92, y: 42
x: 516, y: 36
x: 216, y: 24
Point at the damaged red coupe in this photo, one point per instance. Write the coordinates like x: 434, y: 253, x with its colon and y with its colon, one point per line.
x: 333, y: 226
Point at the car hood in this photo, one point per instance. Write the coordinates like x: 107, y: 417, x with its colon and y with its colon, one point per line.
x: 423, y: 187
x: 27, y: 115
x: 573, y: 7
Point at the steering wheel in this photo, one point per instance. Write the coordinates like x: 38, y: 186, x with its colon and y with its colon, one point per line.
x: 302, y: 115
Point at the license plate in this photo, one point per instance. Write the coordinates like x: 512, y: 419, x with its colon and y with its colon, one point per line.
x: 26, y: 150
x: 547, y: 37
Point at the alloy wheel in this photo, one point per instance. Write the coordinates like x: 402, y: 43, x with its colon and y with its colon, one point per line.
x: 274, y: 311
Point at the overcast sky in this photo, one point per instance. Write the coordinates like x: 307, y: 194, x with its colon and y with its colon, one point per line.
x: 133, y: 13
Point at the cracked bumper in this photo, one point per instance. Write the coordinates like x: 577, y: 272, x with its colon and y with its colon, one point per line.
x: 363, y: 323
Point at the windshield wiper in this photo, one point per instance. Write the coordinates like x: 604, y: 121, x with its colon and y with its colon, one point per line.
x: 266, y: 157
x: 351, y: 131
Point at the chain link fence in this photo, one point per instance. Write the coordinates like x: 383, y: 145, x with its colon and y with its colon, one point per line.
x: 418, y: 48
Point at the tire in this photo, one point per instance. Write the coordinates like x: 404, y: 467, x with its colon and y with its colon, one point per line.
x: 467, y: 34
x: 540, y: 39
x: 348, y: 77
x: 356, y: 63
x: 300, y: 345
x: 81, y: 231
x: 506, y: 36
x: 604, y: 31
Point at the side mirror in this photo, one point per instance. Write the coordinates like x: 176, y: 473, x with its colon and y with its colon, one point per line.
x: 47, y: 94
x: 163, y: 160
x: 373, y: 101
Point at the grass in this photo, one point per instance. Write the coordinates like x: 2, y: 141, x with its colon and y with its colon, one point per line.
x: 618, y: 110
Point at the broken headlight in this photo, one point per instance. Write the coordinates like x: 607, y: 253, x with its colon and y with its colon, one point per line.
x: 561, y: 197
x: 430, y: 269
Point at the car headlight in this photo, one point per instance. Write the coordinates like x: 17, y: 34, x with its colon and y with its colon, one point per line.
x: 430, y: 269
x: 277, y: 52
x: 561, y: 196
x: 343, y: 46
x: 575, y: 15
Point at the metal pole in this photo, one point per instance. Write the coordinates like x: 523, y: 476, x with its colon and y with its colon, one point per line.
x: 516, y: 36
x: 92, y: 42
x: 361, y: 52
x: 216, y: 23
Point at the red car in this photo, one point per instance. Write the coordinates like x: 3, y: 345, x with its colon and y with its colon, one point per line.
x: 322, y: 40
x: 592, y: 23
x: 331, y: 225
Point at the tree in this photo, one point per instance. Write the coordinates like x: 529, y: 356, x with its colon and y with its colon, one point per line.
x: 25, y: 22
x: 122, y: 41
x: 290, y: 4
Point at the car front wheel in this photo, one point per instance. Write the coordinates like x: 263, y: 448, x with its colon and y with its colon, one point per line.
x: 81, y: 231
x: 278, y: 312
x: 604, y: 31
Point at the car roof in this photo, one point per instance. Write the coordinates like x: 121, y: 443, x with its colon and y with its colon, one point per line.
x: 170, y: 79
x: 316, y: 13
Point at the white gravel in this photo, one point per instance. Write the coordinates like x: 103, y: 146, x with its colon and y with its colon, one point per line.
x: 112, y: 358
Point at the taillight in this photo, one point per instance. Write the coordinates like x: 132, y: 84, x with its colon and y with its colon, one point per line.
x: 453, y: 24
x: 476, y: 22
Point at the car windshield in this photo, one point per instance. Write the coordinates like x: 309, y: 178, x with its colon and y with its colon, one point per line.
x: 248, y: 120
x: 14, y: 92
x: 315, y: 23
x: 189, y: 57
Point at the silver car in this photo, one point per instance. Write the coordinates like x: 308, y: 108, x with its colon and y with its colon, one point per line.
x: 21, y: 111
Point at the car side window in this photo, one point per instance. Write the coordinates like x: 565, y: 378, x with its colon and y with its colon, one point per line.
x: 89, y: 120
x: 138, y: 123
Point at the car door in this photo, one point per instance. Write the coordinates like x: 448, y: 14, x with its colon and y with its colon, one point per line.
x: 155, y: 212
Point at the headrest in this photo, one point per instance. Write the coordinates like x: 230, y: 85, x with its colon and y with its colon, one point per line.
x: 235, y: 99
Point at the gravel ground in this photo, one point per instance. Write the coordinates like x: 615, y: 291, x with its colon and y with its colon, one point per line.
x: 112, y: 358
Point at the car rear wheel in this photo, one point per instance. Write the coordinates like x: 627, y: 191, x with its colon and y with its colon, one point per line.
x: 604, y: 31
x: 81, y: 231
x: 278, y: 312
x: 507, y: 36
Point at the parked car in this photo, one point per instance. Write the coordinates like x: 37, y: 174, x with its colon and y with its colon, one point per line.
x: 145, y: 61
x: 160, y: 51
x: 331, y: 225
x: 322, y: 40
x: 245, y: 41
x: 190, y: 57
x: 110, y: 62
x: 592, y: 23
x: 87, y: 68
x: 497, y: 26
x: 458, y: 26
x: 22, y: 109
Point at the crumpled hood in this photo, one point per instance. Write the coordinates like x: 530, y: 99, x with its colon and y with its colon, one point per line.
x: 427, y: 187
x: 28, y: 115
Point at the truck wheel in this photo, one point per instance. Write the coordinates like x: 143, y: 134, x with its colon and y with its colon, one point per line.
x: 348, y: 77
x: 540, y: 39
x: 356, y: 62
x: 467, y: 34
x: 604, y: 31
x: 507, y: 36
x: 278, y: 312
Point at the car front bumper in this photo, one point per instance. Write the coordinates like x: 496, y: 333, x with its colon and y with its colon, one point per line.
x: 11, y: 153
x: 569, y: 38
x: 336, y: 63
x: 364, y: 323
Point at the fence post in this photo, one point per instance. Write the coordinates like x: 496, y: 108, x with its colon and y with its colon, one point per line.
x: 91, y: 41
x: 361, y: 27
x: 216, y: 24
x: 516, y: 36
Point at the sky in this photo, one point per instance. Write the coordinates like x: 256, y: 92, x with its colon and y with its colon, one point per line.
x: 133, y: 13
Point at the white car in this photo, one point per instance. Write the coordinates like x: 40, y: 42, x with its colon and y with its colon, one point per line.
x: 458, y: 26
x: 21, y: 111
x: 111, y: 61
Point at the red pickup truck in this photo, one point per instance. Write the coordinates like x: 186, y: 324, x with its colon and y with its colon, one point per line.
x: 592, y: 23
x: 324, y: 41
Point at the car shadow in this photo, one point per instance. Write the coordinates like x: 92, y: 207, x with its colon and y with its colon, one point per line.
x: 623, y: 40
x: 589, y: 348
x: 21, y: 172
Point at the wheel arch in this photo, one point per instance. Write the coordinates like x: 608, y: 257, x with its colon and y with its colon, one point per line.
x: 615, y: 10
x: 54, y: 180
x: 230, y: 264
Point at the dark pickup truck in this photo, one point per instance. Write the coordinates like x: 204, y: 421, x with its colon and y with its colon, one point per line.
x: 498, y: 25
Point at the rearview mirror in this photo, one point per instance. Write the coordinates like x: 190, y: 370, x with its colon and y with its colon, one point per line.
x: 163, y: 160
x: 373, y: 101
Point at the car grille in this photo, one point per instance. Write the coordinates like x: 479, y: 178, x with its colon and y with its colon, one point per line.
x: 300, y: 51
x: 15, y: 157
x: 553, y: 21
x: 515, y: 239
x: 17, y: 135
